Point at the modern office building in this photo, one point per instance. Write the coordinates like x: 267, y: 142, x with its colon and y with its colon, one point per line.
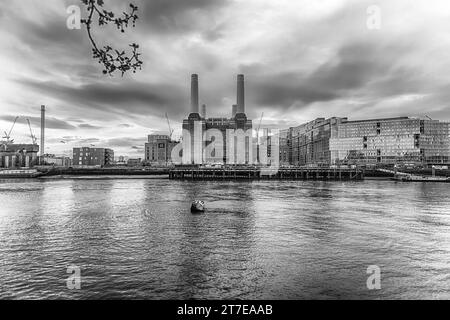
x: 310, y: 142
x: 18, y: 155
x: 390, y: 141
x: 201, y: 134
x: 324, y: 142
x: 98, y: 157
x: 158, y: 150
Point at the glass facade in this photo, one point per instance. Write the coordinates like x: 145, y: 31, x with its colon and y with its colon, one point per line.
x: 324, y: 142
x: 310, y: 142
x: 390, y: 141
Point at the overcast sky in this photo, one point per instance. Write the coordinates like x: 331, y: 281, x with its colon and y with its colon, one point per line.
x: 301, y: 59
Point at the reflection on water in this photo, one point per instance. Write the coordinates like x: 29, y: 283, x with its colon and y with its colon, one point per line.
x: 292, y: 240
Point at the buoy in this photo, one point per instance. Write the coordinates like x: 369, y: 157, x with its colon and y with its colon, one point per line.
x: 197, y: 206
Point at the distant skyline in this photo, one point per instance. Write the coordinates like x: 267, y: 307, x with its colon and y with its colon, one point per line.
x: 301, y: 60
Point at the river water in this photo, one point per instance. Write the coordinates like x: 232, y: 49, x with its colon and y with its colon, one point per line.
x: 136, y: 239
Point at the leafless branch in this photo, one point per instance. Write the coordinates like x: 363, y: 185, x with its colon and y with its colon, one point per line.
x: 113, y: 60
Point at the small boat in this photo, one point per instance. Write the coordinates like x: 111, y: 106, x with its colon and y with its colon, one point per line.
x: 197, y: 206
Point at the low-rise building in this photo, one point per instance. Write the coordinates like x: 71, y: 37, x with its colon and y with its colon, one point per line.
x: 134, y: 162
x: 57, y: 161
x: 99, y: 157
x: 158, y: 150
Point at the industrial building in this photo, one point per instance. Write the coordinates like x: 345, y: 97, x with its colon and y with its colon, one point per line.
x: 92, y: 157
x: 334, y: 141
x: 158, y: 150
x: 14, y: 156
x: 201, y: 143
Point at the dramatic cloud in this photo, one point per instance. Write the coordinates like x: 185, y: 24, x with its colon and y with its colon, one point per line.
x: 50, y: 122
x: 174, y: 16
x: 302, y: 59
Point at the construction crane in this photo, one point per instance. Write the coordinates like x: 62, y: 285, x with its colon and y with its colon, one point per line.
x: 428, y: 117
x: 8, y: 134
x: 33, y: 137
x: 170, y: 128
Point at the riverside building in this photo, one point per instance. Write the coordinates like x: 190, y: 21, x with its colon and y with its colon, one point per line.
x: 92, y: 157
x: 391, y: 141
x: 201, y: 134
x: 334, y: 141
x: 158, y: 149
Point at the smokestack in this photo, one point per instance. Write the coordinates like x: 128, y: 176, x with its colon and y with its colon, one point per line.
x: 240, y: 94
x: 234, y: 110
x: 203, y: 113
x: 194, y: 93
x: 42, y: 132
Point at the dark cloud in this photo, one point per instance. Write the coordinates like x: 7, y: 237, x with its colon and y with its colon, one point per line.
x: 285, y: 89
x: 133, y: 98
x: 174, y: 16
x: 50, y: 122
x: 360, y: 68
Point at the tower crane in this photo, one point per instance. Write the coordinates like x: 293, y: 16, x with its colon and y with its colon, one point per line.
x: 33, y: 137
x: 8, y: 134
x: 170, y: 128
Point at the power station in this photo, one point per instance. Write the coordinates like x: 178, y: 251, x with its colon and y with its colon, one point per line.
x: 199, y: 132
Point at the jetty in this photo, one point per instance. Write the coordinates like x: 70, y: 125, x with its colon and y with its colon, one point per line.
x: 264, y: 173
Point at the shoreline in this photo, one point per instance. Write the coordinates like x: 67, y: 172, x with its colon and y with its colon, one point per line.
x: 103, y: 177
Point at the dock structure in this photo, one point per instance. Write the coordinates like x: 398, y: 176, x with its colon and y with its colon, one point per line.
x: 253, y: 173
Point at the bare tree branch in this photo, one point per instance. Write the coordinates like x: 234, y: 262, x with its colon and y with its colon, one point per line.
x: 113, y: 60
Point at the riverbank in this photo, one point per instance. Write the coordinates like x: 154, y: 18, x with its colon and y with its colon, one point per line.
x: 103, y: 177
x: 111, y: 172
x: 164, y: 173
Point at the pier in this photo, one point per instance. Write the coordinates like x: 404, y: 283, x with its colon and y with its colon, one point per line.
x: 253, y: 173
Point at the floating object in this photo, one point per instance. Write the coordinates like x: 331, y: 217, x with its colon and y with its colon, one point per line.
x: 197, y: 206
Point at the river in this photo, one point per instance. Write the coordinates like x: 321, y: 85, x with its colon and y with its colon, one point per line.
x: 136, y: 239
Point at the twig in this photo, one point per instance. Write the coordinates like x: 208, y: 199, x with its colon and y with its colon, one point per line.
x: 112, y: 60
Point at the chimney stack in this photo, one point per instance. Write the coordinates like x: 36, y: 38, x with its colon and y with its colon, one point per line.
x: 240, y: 94
x: 194, y: 93
x: 42, y: 132
x: 233, y: 110
x: 203, y: 113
